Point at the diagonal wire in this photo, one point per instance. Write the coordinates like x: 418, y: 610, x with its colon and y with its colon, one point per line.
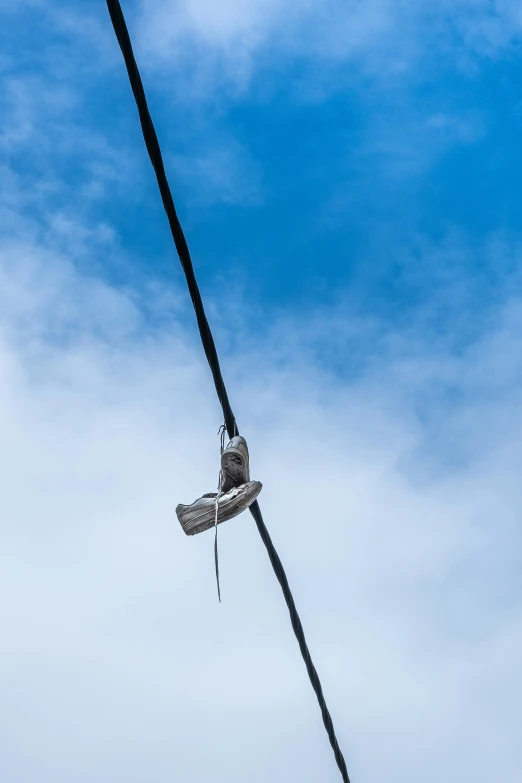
x: 153, y: 148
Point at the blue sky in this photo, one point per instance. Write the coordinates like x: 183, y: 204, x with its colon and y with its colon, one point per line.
x: 305, y: 177
x: 348, y: 178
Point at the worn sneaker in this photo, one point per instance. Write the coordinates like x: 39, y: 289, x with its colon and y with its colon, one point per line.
x: 235, y: 464
x: 201, y: 514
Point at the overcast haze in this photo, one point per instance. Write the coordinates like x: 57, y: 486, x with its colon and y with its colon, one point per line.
x: 348, y: 175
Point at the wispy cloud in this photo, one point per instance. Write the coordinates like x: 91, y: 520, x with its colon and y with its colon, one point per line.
x: 220, y: 174
x: 399, y: 532
x: 385, y: 38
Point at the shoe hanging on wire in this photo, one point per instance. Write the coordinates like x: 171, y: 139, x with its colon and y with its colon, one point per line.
x: 235, y: 467
x: 200, y: 515
x: 236, y: 492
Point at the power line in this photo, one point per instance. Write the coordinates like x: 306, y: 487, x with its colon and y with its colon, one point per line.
x: 153, y: 148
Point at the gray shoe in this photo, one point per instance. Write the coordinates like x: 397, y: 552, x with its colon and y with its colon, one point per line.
x: 235, y: 464
x: 201, y: 514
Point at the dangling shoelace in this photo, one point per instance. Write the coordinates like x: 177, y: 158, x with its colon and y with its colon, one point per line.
x: 222, y: 434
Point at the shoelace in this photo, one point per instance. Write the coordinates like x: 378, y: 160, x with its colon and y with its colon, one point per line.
x: 222, y: 433
x: 216, y: 559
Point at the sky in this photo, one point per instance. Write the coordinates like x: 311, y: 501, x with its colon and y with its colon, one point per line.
x: 348, y: 177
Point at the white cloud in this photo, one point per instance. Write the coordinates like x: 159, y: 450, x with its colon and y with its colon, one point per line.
x: 399, y: 534
x: 233, y: 40
x: 230, y: 41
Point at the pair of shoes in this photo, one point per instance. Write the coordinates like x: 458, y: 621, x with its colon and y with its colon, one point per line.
x: 237, y: 492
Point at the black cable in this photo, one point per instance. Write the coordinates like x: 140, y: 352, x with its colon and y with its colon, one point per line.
x: 153, y: 148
